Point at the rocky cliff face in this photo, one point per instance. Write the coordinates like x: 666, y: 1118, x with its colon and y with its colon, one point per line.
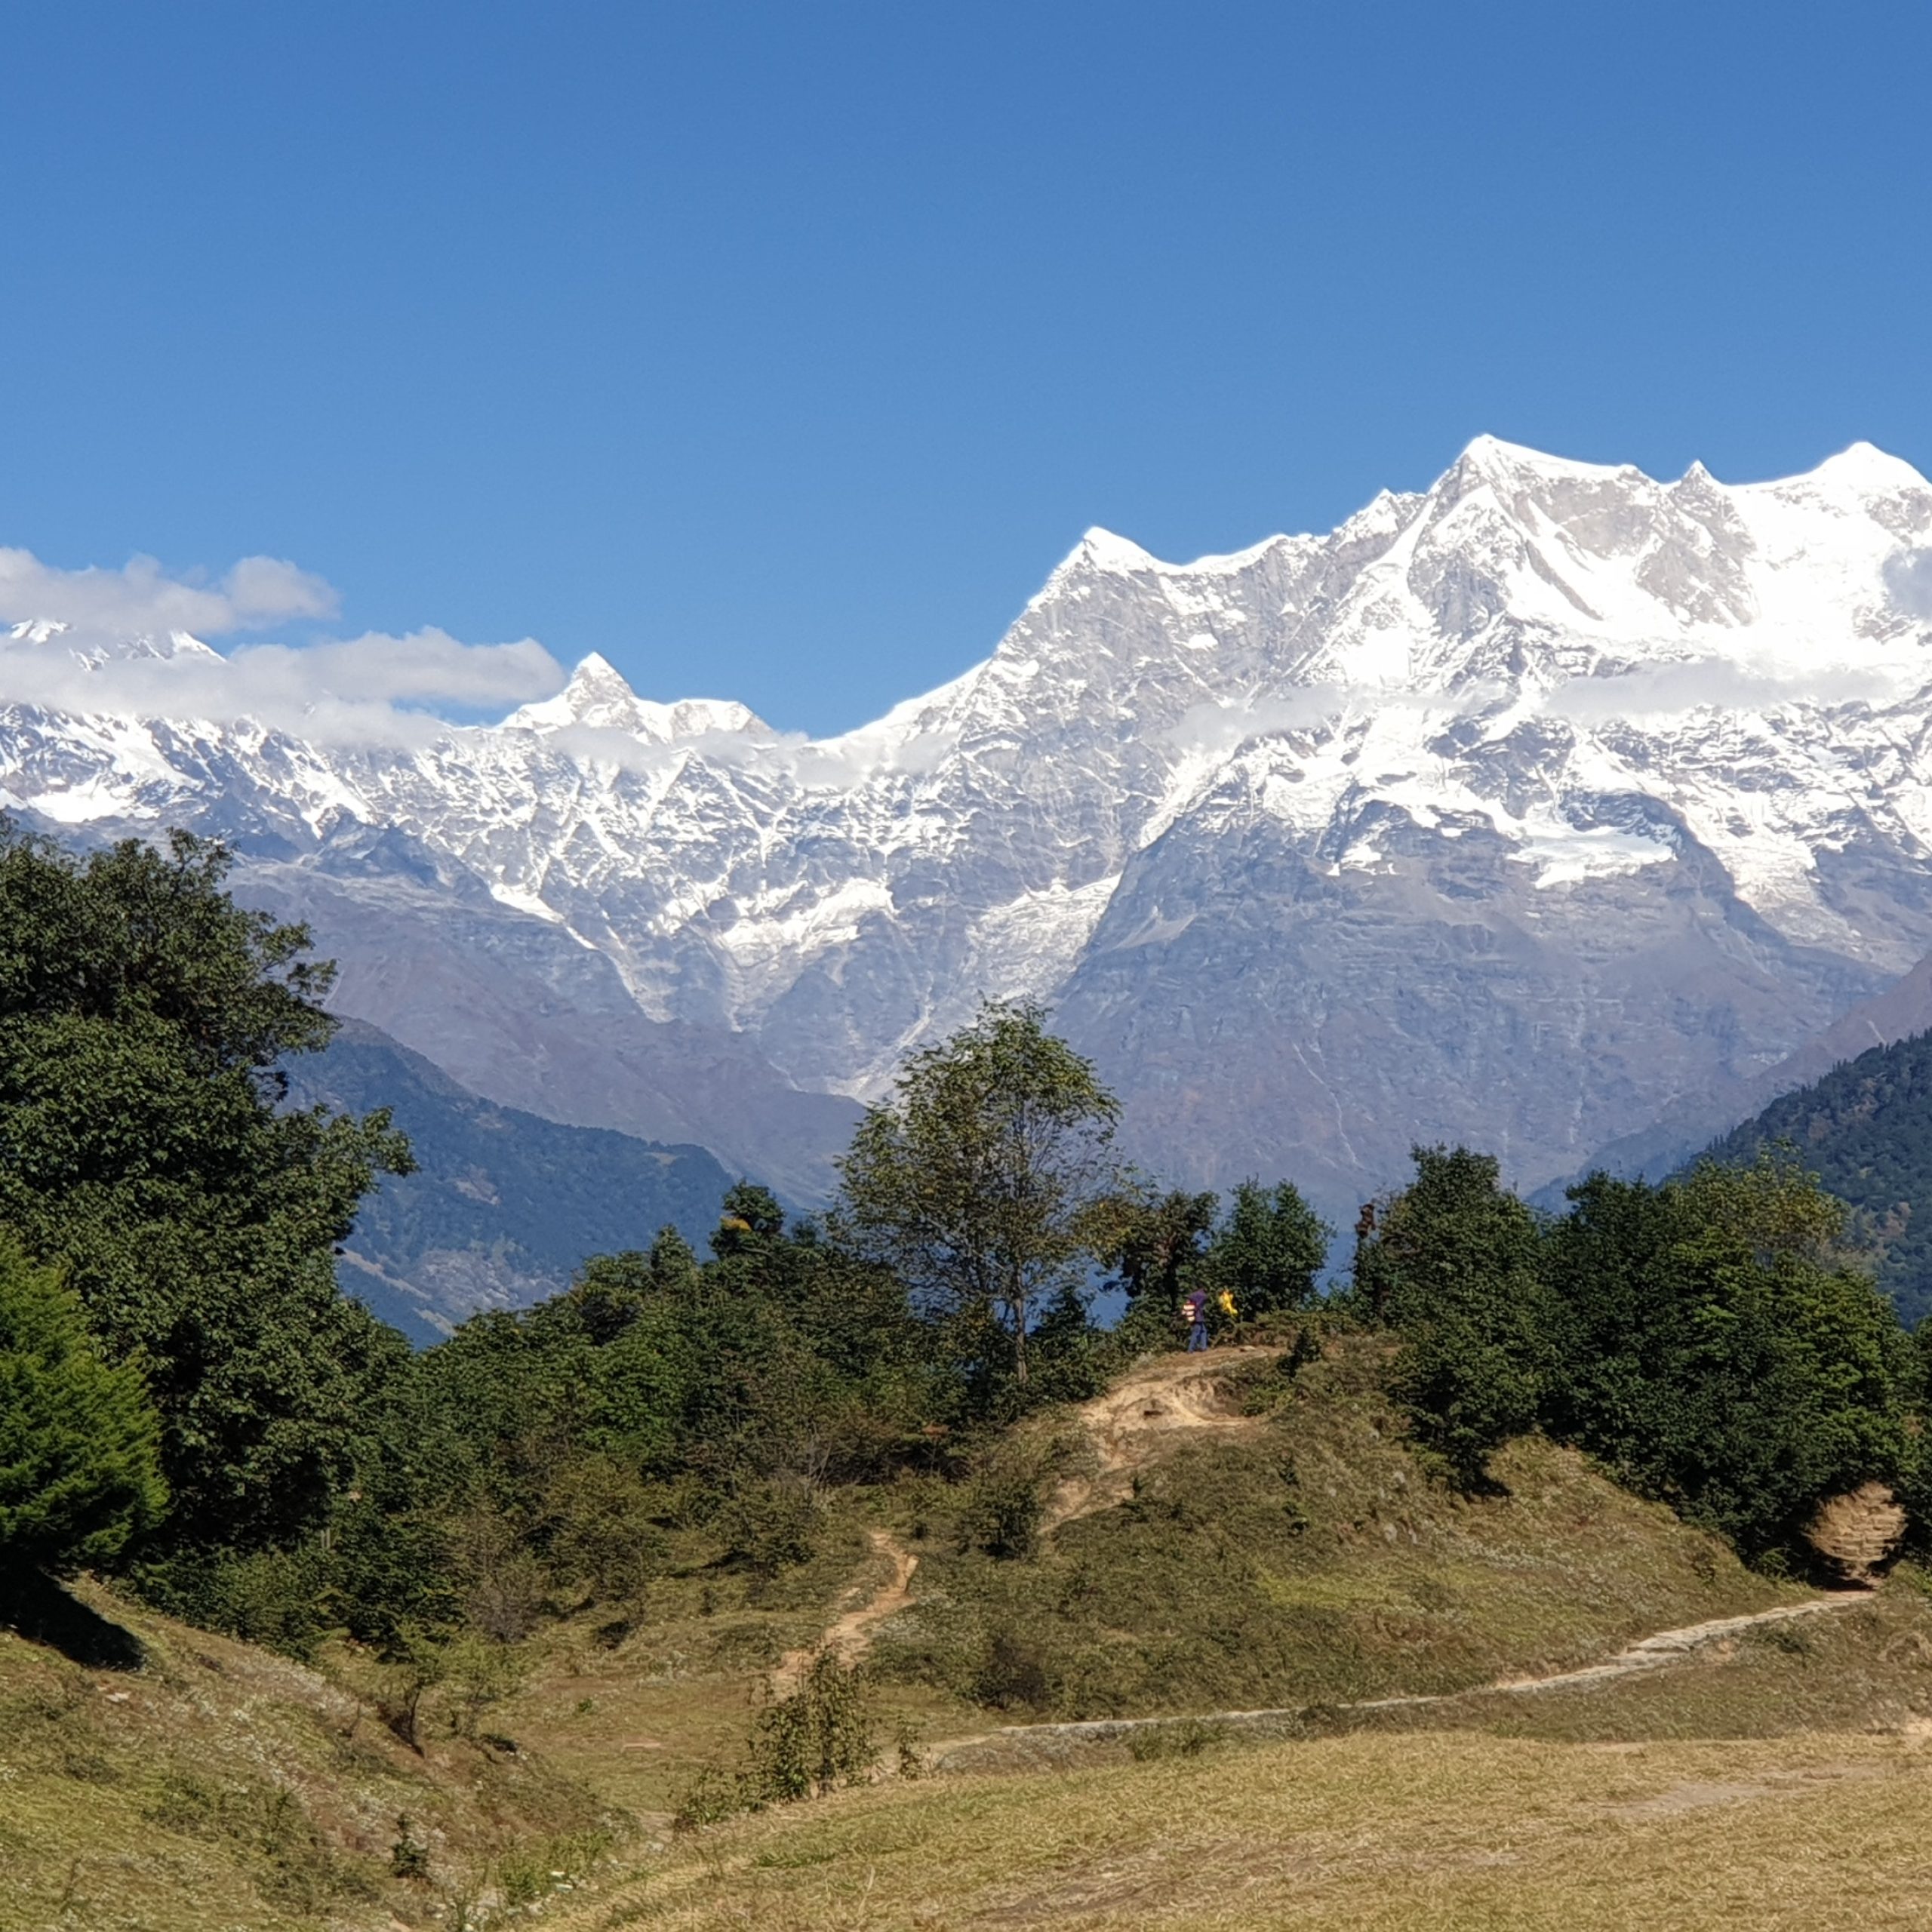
x: 1523, y: 811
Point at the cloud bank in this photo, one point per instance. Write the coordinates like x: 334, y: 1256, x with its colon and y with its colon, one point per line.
x: 140, y: 599
x: 128, y: 643
x: 1909, y: 578
x: 1696, y: 683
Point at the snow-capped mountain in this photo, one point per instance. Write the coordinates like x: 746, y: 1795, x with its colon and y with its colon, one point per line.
x: 1523, y: 811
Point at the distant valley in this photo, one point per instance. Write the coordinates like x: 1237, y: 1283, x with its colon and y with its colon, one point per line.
x: 503, y: 1205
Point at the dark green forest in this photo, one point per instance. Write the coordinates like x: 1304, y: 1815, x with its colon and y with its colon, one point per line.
x: 187, y: 1400
x: 1866, y: 1129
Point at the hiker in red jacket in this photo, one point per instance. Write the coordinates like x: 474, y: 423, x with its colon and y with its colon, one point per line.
x: 1194, y: 1312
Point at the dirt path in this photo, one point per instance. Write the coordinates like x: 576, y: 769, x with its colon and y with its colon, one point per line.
x: 1172, y: 1395
x: 1651, y: 1653
x: 850, y: 1636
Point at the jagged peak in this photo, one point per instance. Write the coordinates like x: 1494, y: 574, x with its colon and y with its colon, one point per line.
x: 600, y: 697
x: 1490, y: 457
x: 595, y: 668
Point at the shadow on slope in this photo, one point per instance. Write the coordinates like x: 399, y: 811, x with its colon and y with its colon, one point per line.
x: 504, y: 1205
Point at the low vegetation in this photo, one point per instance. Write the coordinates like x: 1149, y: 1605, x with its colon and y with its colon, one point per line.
x: 331, y: 1630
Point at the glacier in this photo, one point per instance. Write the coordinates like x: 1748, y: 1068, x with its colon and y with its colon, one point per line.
x: 1530, y: 810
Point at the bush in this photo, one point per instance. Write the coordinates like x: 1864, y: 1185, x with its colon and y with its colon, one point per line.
x: 603, y: 1533
x: 768, y: 1527
x: 1014, y: 1672
x: 279, y: 1598
x: 821, y: 1737
x: 1000, y: 1506
x: 803, y: 1745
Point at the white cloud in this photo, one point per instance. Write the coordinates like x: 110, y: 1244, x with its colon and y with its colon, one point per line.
x: 1694, y: 683
x: 123, y: 642
x: 140, y: 599
x: 1212, y: 726
x: 828, y: 764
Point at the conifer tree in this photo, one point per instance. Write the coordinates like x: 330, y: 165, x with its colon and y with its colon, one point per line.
x: 80, y: 1469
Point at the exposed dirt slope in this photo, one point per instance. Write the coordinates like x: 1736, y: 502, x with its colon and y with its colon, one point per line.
x: 1171, y: 1396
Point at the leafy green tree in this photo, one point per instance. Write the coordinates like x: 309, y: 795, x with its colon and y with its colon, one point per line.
x: 1455, y: 1263
x: 80, y: 1469
x: 142, y: 1015
x: 748, y: 1215
x: 976, y: 1183
x: 1718, y: 1349
x: 1151, y: 1242
x: 1269, y: 1252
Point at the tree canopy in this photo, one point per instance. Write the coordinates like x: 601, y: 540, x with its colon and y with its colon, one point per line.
x: 80, y: 1467
x: 142, y: 1017
x: 976, y: 1182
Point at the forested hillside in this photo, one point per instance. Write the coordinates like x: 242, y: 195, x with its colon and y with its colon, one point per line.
x: 1464, y: 1461
x: 504, y: 1206
x: 1865, y: 1130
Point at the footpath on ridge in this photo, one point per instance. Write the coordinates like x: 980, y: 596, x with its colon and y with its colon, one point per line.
x: 1127, y: 1427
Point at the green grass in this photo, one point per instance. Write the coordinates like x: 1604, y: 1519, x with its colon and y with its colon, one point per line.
x: 1316, y: 1559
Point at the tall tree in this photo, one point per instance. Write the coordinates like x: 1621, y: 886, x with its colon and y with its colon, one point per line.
x: 1153, y: 1241
x: 1455, y: 1263
x: 80, y: 1467
x: 1269, y: 1252
x: 143, y: 1015
x: 977, y: 1181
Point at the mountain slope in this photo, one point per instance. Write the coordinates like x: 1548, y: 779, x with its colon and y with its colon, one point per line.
x: 1866, y: 1128
x: 1525, y: 810
x: 504, y: 1206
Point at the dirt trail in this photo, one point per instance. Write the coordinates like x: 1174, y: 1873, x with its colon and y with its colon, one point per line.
x: 1127, y: 1427
x: 850, y: 1636
x: 1650, y: 1653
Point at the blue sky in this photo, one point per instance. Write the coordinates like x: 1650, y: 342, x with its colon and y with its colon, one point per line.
x: 778, y: 351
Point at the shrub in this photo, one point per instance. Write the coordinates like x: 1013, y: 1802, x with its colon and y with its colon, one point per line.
x: 1000, y: 1504
x: 1014, y: 1672
x: 768, y: 1527
x: 821, y: 1737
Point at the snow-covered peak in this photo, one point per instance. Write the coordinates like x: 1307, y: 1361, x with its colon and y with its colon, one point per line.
x: 1101, y: 550
x: 598, y: 698
x: 1864, y: 465
x: 1491, y: 456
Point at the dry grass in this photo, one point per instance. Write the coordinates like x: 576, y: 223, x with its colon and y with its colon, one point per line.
x: 219, y: 1786
x: 1307, y: 1559
x: 1377, y: 1834
x: 1310, y: 1558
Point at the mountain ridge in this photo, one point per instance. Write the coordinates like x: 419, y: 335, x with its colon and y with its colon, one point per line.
x: 1519, y: 810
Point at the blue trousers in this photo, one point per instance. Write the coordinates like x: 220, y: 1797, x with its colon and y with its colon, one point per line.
x: 1197, y: 1336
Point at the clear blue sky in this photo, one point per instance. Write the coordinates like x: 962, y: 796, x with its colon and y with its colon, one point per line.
x: 778, y: 351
